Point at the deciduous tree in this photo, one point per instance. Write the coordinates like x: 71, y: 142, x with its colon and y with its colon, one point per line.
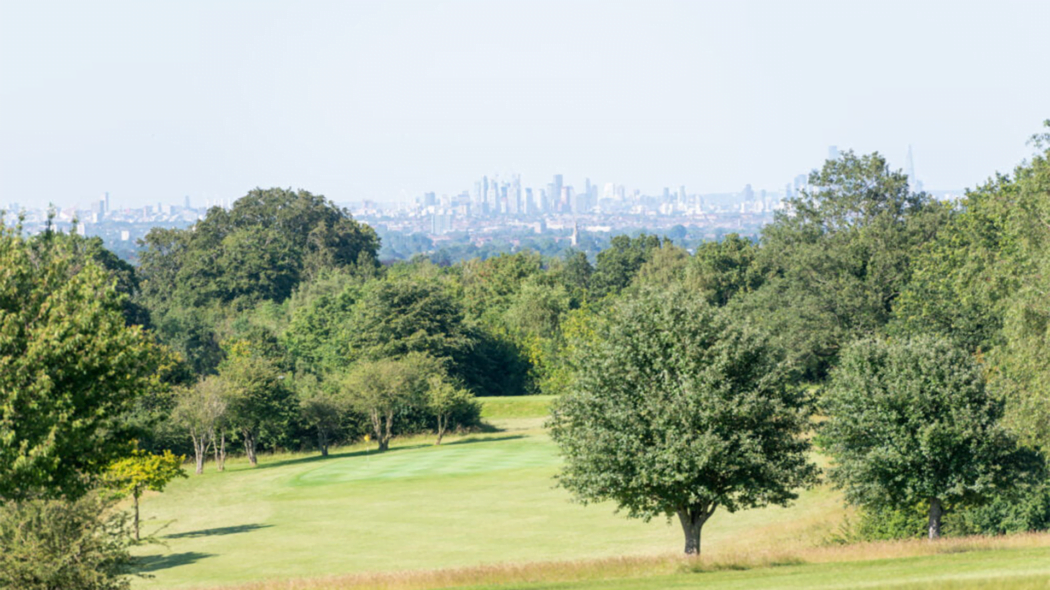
x: 70, y: 367
x: 261, y: 405
x: 143, y: 471
x: 201, y: 410
x: 381, y: 389
x: 445, y: 400
x: 323, y: 406
x: 912, y: 422
x: 674, y: 410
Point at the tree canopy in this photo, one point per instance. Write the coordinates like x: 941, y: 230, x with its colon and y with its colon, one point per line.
x: 836, y: 260
x: 71, y: 368
x: 674, y: 410
x: 913, y: 422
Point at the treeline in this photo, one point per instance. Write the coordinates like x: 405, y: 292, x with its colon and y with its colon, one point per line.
x: 285, y: 288
x: 459, y: 247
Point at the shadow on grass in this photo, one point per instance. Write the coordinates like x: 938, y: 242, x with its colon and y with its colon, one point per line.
x: 338, y: 455
x: 226, y: 530
x: 480, y: 439
x: 152, y: 563
x: 374, y: 452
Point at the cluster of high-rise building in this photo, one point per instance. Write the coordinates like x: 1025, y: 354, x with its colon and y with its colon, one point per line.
x: 494, y: 199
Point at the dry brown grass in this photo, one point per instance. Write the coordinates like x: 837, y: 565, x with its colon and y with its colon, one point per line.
x: 628, y: 567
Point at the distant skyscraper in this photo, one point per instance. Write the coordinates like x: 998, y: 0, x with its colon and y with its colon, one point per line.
x: 565, y: 205
x: 833, y: 152
x: 186, y: 202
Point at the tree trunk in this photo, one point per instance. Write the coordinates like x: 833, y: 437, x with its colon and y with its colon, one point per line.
x: 442, y: 425
x: 249, y: 447
x: 693, y: 519
x: 200, y: 449
x: 322, y: 441
x: 935, y: 518
x: 220, y: 455
x: 387, y: 434
x: 377, y: 429
x: 135, y: 495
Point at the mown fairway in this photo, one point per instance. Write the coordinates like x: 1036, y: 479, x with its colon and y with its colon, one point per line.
x: 485, y: 498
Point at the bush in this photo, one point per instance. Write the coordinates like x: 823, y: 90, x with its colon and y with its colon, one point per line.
x: 1025, y: 510
x: 72, y: 545
x: 882, y: 524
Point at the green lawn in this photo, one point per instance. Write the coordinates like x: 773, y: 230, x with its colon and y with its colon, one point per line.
x: 484, y: 498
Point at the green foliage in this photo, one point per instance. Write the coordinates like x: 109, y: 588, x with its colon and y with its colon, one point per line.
x: 837, y: 260
x: 323, y: 406
x: 489, y: 285
x: 674, y: 410
x: 71, y: 368
x: 665, y: 267
x: 393, y: 318
x: 720, y: 270
x: 143, y: 471
x: 317, y: 310
x: 883, y: 523
x: 63, y: 544
x: 617, y: 265
x: 381, y: 389
x: 446, y: 402
x: 576, y: 273
x: 260, y: 250
x: 1017, y: 511
x: 912, y: 422
x: 201, y: 412
x: 261, y: 406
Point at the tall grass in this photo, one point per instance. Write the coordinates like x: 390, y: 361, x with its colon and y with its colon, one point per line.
x: 632, y: 567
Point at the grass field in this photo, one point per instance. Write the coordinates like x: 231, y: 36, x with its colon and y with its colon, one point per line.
x: 477, y: 503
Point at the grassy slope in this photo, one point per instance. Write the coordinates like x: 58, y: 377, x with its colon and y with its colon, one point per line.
x: 480, y: 499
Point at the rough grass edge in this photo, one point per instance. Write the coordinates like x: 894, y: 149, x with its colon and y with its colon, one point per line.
x: 640, y: 566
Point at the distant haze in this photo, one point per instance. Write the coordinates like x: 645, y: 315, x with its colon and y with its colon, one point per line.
x: 152, y: 101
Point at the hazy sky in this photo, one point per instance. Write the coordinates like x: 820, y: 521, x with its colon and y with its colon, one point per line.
x: 155, y: 100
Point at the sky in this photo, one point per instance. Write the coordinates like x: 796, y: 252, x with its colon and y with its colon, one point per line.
x: 152, y: 101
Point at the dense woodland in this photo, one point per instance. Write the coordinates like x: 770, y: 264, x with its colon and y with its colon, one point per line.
x: 272, y: 325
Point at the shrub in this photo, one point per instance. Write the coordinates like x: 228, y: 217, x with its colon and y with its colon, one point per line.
x: 63, y: 544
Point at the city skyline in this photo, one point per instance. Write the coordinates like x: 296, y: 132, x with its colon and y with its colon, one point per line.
x: 390, y: 100
x: 479, y: 196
